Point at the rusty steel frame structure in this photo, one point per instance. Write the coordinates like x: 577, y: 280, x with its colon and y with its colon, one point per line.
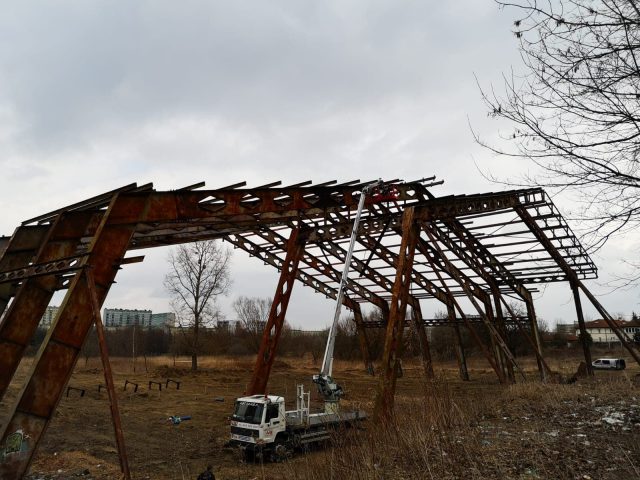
x: 487, y: 250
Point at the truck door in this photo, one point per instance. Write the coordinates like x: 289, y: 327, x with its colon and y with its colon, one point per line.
x: 273, y: 422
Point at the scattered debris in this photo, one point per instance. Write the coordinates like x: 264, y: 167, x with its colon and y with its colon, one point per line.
x: 177, y: 419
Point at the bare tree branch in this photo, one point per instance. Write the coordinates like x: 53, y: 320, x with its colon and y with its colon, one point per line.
x: 575, y: 111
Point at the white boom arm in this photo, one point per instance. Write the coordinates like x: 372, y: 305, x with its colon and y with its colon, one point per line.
x: 327, y: 362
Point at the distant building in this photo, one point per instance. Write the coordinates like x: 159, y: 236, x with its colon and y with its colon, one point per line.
x: 566, y: 329
x: 120, y: 317
x: 163, y: 320
x: 601, y: 332
x: 49, y: 314
x: 227, y: 325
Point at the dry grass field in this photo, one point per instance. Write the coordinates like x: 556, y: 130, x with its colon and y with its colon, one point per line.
x: 443, y: 429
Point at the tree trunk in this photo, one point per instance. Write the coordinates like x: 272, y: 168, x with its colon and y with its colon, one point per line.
x: 194, y: 361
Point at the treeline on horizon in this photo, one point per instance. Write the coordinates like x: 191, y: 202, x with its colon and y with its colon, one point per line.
x: 244, y: 339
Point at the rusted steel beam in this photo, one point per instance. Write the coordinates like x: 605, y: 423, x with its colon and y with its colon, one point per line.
x: 425, y: 351
x: 452, y: 301
x: 475, y: 255
x: 23, y: 316
x: 620, y: 333
x: 398, y: 310
x: 63, y: 265
x: 583, y: 330
x: 502, y: 329
x: 93, y: 203
x: 500, y: 347
x: 534, y: 340
x: 277, y: 202
x: 460, y: 205
x: 482, y: 262
x: 392, y: 259
x: 577, y: 285
x: 460, y: 355
x: 362, y: 335
x: 22, y: 246
x: 436, y: 257
x: 440, y: 322
x: 108, y: 376
x: 4, y: 243
x: 271, y: 259
x: 495, y: 320
x: 56, y: 359
x: 275, y: 323
x: 326, y: 269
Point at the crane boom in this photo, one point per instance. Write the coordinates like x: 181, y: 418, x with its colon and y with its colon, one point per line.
x: 327, y: 387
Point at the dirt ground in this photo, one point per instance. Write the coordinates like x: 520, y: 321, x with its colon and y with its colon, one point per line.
x: 590, y: 429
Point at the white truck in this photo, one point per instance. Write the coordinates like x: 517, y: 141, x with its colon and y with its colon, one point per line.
x: 263, y: 429
x: 261, y: 426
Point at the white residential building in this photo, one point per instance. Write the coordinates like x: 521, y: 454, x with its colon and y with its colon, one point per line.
x: 121, y: 317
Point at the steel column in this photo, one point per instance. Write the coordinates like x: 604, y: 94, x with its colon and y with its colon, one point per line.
x: 393, y: 339
x: 542, y: 364
x: 33, y: 296
x: 21, y: 247
x: 363, y: 340
x: 537, y: 341
x: 491, y: 329
x: 620, y: 333
x: 425, y: 351
x: 499, y: 318
x: 576, y: 285
x: 59, y: 352
x: 460, y: 355
x: 583, y: 330
x: 108, y: 376
x: 273, y: 328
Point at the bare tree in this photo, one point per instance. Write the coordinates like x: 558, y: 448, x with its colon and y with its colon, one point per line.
x: 576, y: 108
x: 252, y: 313
x: 199, y: 272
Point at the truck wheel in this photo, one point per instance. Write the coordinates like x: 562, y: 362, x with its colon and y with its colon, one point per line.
x: 280, y: 452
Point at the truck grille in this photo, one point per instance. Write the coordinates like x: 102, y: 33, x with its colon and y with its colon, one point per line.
x: 246, y: 432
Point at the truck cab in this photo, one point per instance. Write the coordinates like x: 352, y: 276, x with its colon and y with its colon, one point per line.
x: 257, y: 420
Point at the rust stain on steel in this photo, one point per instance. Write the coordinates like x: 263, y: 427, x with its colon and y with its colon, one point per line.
x: 18, y: 252
x: 393, y: 338
x: 273, y: 328
x: 45, y: 388
x: 21, y: 320
x: 56, y: 359
x: 205, y: 203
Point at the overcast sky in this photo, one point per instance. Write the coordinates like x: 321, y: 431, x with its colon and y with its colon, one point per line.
x: 95, y: 95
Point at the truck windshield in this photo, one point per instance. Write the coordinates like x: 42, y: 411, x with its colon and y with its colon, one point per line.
x: 248, y: 412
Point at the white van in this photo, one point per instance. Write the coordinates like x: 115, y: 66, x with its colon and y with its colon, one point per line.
x: 609, y: 364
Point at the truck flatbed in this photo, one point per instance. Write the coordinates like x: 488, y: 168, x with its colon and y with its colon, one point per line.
x: 315, y: 419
